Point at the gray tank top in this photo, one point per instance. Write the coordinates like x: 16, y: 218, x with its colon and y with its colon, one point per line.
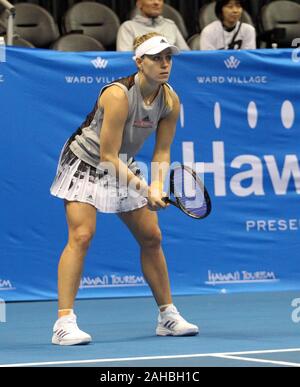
x: 142, y: 120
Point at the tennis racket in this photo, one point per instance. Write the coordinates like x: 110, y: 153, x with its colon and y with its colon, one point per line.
x: 188, y: 193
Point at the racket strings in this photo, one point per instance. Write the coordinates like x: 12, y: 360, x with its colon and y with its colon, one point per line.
x: 189, y: 192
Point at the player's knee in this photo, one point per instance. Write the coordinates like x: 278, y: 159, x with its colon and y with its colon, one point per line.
x: 152, y: 238
x: 82, y: 238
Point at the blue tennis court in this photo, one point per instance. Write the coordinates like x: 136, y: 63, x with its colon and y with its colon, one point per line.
x: 236, y: 330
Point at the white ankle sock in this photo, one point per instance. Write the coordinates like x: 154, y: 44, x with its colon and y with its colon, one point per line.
x: 164, y: 306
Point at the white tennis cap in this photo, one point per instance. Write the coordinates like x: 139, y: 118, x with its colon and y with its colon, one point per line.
x: 154, y: 46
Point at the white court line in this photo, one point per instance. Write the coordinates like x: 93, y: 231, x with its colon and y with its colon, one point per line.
x: 150, y: 358
x: 255, y: 360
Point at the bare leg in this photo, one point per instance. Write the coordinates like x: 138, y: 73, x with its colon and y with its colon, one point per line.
x: 143, y: 224
x: 81, y: 220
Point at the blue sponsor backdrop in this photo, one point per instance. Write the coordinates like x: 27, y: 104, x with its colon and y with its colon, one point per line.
x: 239, y: 123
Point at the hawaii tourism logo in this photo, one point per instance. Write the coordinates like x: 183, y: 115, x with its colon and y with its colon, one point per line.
x: 112, y: 281
x: 240, y: 277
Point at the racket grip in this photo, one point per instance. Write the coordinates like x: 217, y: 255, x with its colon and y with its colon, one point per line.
x: 167, y: 200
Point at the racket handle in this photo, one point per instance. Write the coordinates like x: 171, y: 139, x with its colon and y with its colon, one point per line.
x: 169, y: 201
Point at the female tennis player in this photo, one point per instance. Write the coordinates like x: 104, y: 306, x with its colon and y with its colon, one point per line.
x: 95, y: 163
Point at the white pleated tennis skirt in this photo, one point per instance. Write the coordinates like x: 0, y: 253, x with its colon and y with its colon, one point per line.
x: 78, y: 181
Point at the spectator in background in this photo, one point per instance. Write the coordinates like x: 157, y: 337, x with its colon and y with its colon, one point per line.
x: 149, y: 19
x: 228, y: 32
x: 2, y: 25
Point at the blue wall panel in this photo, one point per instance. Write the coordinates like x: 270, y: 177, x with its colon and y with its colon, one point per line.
x: 240, y: 127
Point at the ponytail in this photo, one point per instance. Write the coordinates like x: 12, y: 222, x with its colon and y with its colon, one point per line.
x: 168, y: 96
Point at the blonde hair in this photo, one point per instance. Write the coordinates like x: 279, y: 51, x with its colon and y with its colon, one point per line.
x: 141, y: 39
x: 168, y: 95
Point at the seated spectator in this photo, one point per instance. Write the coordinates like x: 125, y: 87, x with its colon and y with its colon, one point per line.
x: 228, y: 32
x: 149, y: 19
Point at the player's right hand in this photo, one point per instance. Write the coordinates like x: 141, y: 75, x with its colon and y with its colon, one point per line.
x: 155, y: 199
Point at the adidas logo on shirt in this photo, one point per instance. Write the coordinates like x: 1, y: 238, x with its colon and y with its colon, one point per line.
x: 144, y: 123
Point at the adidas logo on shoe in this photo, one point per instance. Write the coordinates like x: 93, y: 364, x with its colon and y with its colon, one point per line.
x: 171, y: 323
x: 66, y: 332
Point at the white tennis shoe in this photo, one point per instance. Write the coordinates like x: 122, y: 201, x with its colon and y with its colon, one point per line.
x: 66, y: 332
x: 170, y: 323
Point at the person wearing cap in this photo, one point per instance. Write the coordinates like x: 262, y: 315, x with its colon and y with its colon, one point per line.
x: 228, y: 32
x: 149, y: 19
x: 97, y: 172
